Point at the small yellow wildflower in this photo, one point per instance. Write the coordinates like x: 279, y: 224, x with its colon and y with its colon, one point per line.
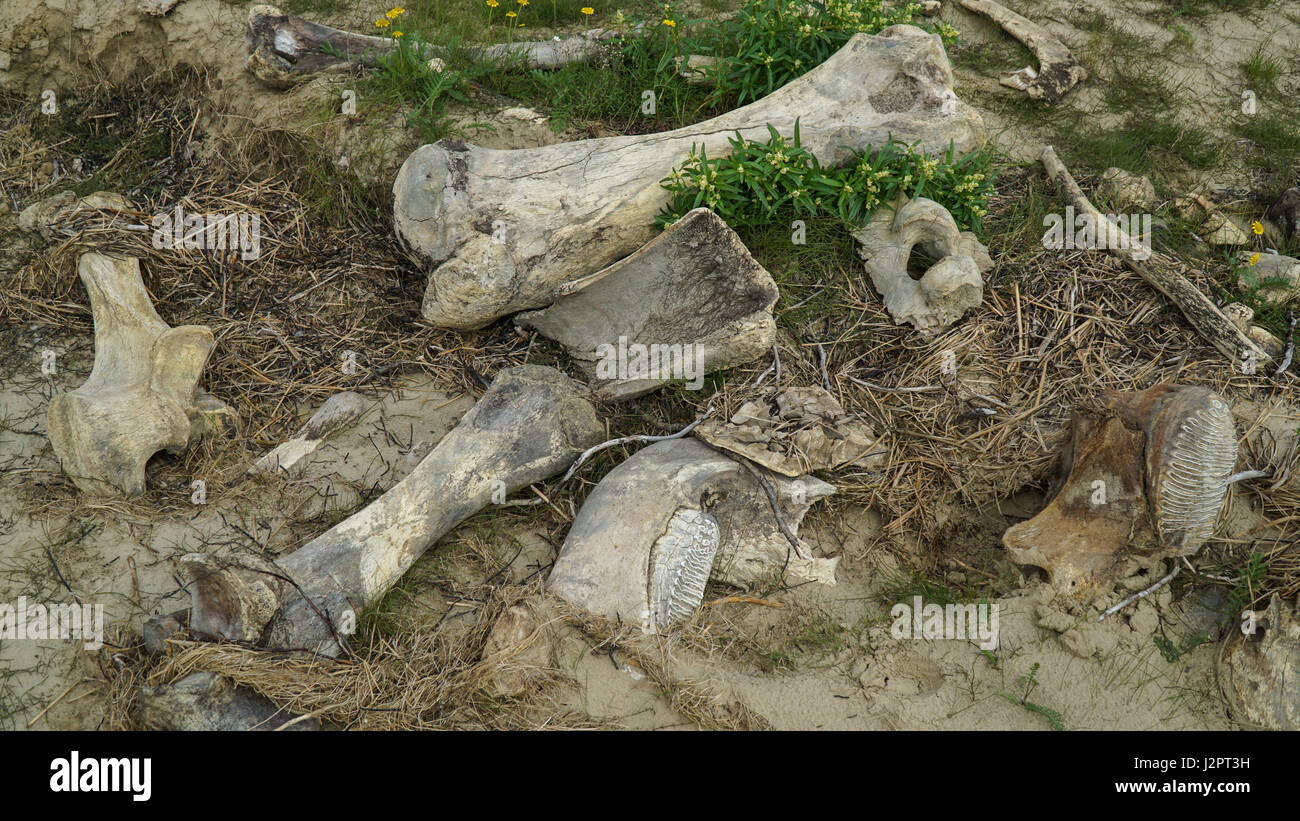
x: 587, y: 10
x: 394, y: 13
x: 522, y: 2
x: 511, y: 14
x: 670, y: 23
x: 1254, y: 258
x: 397, y: 34
x: 1257, y: 227
x: 382, y: 23
x: 492, y: 4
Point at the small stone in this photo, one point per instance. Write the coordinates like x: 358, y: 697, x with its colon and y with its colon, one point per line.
x: 1127, y: 190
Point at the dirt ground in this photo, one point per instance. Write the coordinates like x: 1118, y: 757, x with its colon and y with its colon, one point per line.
x: 811, y: 656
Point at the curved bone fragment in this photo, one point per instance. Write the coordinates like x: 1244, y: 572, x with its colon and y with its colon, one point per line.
x: 285, y: 49
x: 140, y: 396
x: 504, y: 230
x: 335, y: 414
x: 530, y: 424
x: 674, y: 515
x: 948, y: 289
x: 691, y: 302
x: 1148, y: 478
x: 1261, y: 671
x: 1058, y: 71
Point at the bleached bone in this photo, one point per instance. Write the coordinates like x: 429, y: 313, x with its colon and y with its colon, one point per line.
x: 694, y: 291
x: 1260, y: 671
x: 1147, y: 479
x: 674, y: 515
x: 530, y: 424
x: 1058, y: 71
x: 504, y: 230
x: 948, y: 289
x: 335, y: 414
x: 284, y: 49
x: 140, y: 396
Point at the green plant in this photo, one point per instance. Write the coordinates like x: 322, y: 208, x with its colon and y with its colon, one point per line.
x: 757, y: 182
x: 1172, y: 652
x: 1028, y: 683
x: 768, y: 43
x: 1246, y: 589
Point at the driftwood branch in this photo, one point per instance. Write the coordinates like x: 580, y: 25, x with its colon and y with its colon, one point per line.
x: 1158, y: 271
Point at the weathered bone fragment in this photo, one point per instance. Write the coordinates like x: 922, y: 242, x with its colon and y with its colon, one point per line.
x: 1127, y: 190
x: 503, y: 230
x: 44, y: 217
x: 335, y: 414
x: 530, y: 424
x: 1058, y: 71
x: 1285, y: 213
x: 796, y: 432
x: 1260, y: 672
x: 691, y: 302
x: 1159, y: 272
x: 674, y: 515
x: 1241, y: 316
x: 1145, y: 479
x: 207, y: 701
x: 284, y: 49
x: 948, y: 289
x: 140, y: 396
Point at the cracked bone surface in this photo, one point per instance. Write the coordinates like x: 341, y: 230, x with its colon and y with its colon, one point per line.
x: 1146, y: 478
x: 284, y: 49
x: 691, y: 302
x: 677, y: 513
x: 140, y: 395
x: 531, y: 423
x: 1261, y: 671
x: 504, y: 230
x: 334, y: 414
x: 1058, y: 71
x: 948, y: 289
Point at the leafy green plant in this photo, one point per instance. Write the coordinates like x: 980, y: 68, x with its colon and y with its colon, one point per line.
x: 1028, y: 683
x: 768, y: 43
x: 1246, y: 589
x: 1172, y: 652
x: 758, y: 182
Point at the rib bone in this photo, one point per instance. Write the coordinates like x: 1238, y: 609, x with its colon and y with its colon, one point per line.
x: 1058, y: 71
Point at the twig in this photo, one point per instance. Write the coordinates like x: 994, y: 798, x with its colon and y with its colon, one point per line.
x: 875, y: 387
x: 1153, y: 588
x: 826, y: 380
x: 1290, y: 346
x: 623, y: 440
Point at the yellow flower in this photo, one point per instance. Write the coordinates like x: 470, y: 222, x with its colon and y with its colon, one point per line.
x: 397, y: 34
x: 511, y: 14
x: 382, y: 23
x: 1256, y: 227
x: 522, y: 2
x: 492, y: 3
x: 587, y: 10
x: 670, y: 23
x: 393, y: 13
x: 1254, y: 258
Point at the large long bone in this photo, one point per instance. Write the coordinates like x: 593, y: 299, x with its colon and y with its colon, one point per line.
x: 504, y: 230
x: 530, y: 424
x: 284, y: 49
x: 140, y: 395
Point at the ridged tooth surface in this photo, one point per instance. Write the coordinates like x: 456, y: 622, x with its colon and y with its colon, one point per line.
x: 681, y: 564
x: 1192, y: 472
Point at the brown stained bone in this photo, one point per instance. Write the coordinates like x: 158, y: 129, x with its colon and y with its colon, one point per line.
x: 140, y: 397
x: 1260, y: 671
x: 1058, y: 71
x: 1147, y: 477
x: 284, y: 49
x: 335, y: 414
x: 694, y: 289
x: 504, y: 231
x: 530, y: 424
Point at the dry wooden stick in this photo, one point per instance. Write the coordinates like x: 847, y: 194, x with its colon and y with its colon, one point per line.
x: 1195, y: 306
